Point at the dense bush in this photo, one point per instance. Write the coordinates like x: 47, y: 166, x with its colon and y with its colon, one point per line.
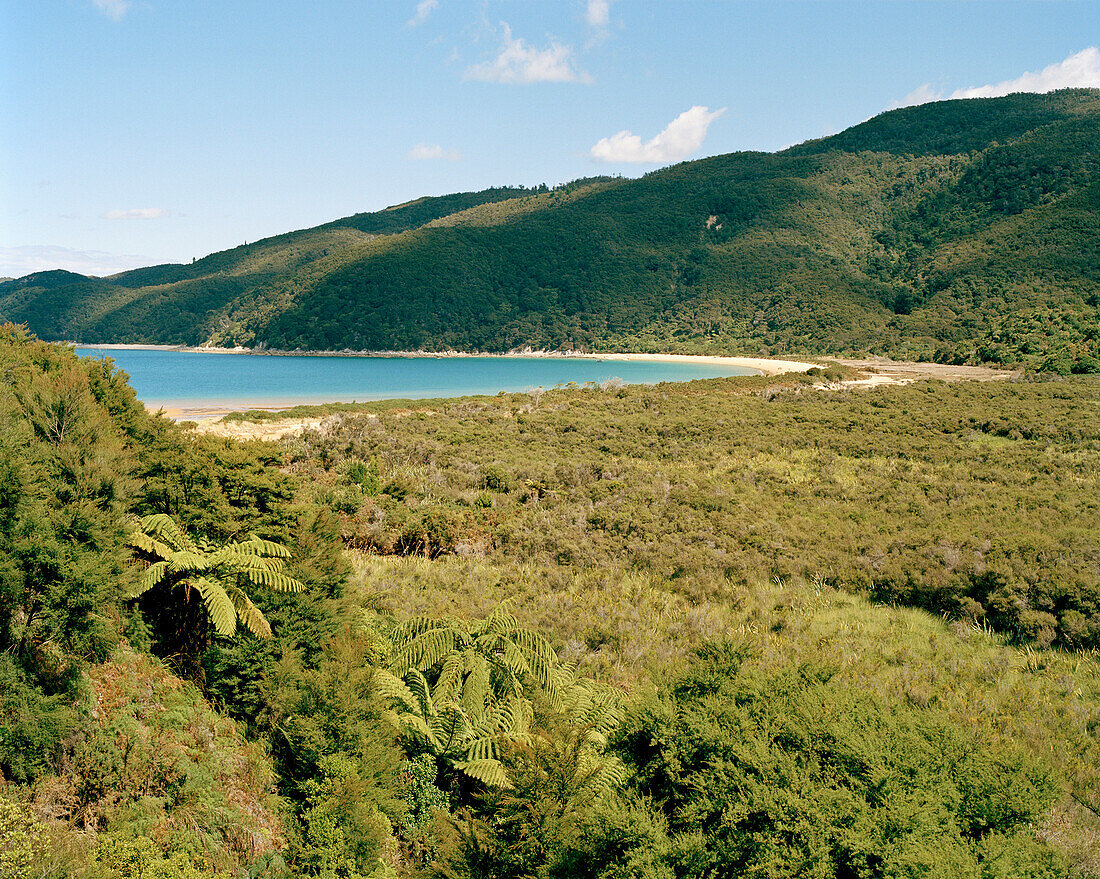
x: 777, y: 773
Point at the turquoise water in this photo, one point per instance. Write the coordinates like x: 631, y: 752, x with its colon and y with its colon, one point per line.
x: 191, y: 379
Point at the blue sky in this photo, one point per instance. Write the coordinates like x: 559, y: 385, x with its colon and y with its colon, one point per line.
x: 141, y: 131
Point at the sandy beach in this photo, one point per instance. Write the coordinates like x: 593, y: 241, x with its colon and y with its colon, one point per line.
x: 765, y: 365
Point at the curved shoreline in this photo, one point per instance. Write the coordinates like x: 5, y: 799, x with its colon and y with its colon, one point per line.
x: 764, y: 365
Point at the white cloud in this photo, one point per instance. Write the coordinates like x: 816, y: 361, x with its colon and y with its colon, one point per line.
x: 519, y: 63
x: 598, y: 13
x: 137, y: 214
x: 18, y: 261
x: 423, y: 9
x: 1080, y: 70
x: 920, y: 95
x: 429, y: 151
x: 681, y: 137
x: 112, y: 8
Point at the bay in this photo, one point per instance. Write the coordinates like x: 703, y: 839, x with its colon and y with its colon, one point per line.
x: 189, y: 379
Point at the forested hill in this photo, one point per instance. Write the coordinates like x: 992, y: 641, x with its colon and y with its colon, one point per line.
x: 960, y: 231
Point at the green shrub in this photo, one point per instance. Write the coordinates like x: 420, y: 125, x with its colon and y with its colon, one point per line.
x: 775, y: 772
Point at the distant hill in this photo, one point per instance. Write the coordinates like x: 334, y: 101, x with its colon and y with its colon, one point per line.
x: 960, y: 231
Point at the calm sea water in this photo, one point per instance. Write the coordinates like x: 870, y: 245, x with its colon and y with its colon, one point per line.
x: 189, y: 379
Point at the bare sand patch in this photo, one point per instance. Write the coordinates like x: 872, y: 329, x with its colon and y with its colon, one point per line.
x: 883, y: 370
x: 764, y: 365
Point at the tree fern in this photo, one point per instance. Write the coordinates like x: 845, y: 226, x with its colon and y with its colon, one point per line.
x: 471, y: 684
x: 217, y: 573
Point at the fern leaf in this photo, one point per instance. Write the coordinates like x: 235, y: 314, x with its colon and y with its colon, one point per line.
x: 500, y: 621
x: 256, y: 544
x: 218, y: 605
x: 187, y: 561
x: 481, y: 749
x: 141, y: 540
x: 150, y: 577
x: 476, y: 692
x: 249, y: 614
x: 448, y: 683
x: 488, y: 772
x: 274, y: 580
x: 453, y: 730
x: 420, y: 730
x: 421, y: 692
x: 165, y: 527
x: 424, y: 650
x: 394, y: 689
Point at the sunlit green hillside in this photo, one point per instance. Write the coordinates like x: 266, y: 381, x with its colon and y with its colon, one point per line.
x: 962, y: 231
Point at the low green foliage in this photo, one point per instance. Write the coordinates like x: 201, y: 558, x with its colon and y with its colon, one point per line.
x: 24, y: 842
x: 716, y: 547
x: 930, y: 495
x: 778, y: 773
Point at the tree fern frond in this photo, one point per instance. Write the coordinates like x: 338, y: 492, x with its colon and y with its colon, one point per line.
x: 187, y: 561
x: 141, y: 540
x: 421, y: 692
x: 452, y: 728
x: 150, y: 577
x: 394, y: 689
x: 165, y: 527
x: 488, y: 772
x: 607, y: 775
x: 481, y: 749
x: 218, y: 605
x: 449, y: 681
x: 410, y: 628
x: 476, y: 691
x: 274, y: 580
x: 230, y: 557
x: 249, y: 614
x: 500, y: 621
x: 417, y: 728
x: 514, y: 659
x: 423, y: 651
x: 256, y: 544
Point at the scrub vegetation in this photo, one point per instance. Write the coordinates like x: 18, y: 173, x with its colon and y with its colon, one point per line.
x: 726, y: 628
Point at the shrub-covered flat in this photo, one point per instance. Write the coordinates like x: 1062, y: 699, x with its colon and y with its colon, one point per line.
x: 978, y: 500
x: 736, y: 627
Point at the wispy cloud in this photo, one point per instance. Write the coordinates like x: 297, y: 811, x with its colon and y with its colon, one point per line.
x: 598, y: 13
x: 137, y: 214
x: 681, y: 137
x: 521, y: 64
x: 18, y: 261
x: 112, y: 8
x: 423, y: 9
x: 1080, y: 70
x: 424, y: 152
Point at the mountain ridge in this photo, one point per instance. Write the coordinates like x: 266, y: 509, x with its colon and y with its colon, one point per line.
x: 964, y: 231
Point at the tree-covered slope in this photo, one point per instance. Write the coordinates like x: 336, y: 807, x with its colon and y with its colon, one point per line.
x: 961, y: 230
